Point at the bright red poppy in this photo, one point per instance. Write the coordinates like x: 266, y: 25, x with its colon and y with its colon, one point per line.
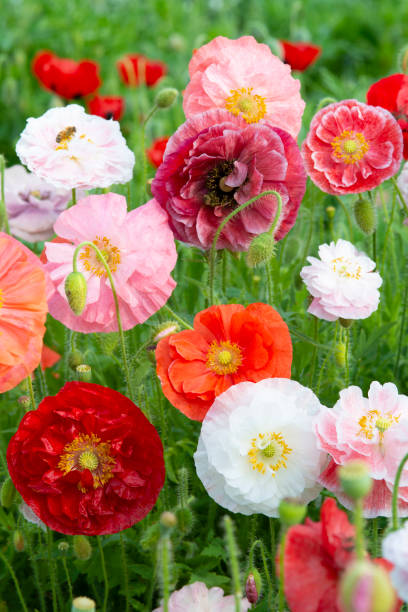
x: 64, y: 76
x: 299, y: 55
x: 87, y: 461
x: 136, y: 69
x: 156, y: 152
x: 229, y: 344
x: 392, y: 94
x: 108, y: 107
x: 316, y: 555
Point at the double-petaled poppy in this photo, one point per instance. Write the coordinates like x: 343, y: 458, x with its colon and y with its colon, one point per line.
x: 108, y: 107
x: 299, y: 55
x: 136, y: 69
x: 66, y: 77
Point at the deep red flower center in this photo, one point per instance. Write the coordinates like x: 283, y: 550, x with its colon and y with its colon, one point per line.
x: 87, y: 452
x: 224, y: 357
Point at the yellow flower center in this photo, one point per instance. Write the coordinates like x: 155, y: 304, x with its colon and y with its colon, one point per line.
x: 243, y: 102
x: 87, y: 452
x: 376, y: 420
x: 110, y: 253
x: 350, y: 146
x: 346, y: 268
x: 224, y: 357
x: 268, y: 452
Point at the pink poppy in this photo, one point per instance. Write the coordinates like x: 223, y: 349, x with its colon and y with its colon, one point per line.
x: 245, y: 78
x: 139, y: 249
x: 214, y: 163
x: 375, y: 430
x: 352, y: 147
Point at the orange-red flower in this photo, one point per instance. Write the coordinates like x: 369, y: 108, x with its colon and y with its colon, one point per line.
x: 229, y: 344
x: 299, y: 55
x: 23, y: 309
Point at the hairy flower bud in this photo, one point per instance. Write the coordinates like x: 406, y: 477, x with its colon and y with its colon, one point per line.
x: 83, y: 604
x: 355, y: 479
x: 346, y: 323
x: 165, y: 329
x: 365, y: 215
x: 8, y: 493
x: 168, y: 519
x: 330, y: 211
x: 185, y: 519
x: 76, y: 290
x: 75, y: 358
x: 261, y: 249
x: 340, y: 354
x: 166, y: 97
x: 84, y: 372
x: 253, y: 586
x: 291, y: 513
x: 63, y: 547
x: 82, y: 547
x: 366, y: 586
x: 18, y: 541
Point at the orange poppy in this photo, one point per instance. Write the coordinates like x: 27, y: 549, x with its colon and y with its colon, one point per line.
x: 23, y: 309
x: 229, y: 344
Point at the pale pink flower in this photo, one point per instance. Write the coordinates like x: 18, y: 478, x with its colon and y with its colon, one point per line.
x: 342, y: 282
x: 139, y: 249
x: 70, y: 149
x: 245, y: 78
x: 375, y: 430
x: 33, y: 205
x: 395, y: 550
x: 198, y: 598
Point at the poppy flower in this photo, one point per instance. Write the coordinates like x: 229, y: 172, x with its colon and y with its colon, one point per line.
x: 65, y: 77
x: 229, y: 344
x: 108, y: 107
x: 198, y: 597
x: 215, y: 162
x: 316, y: 555
x: 391, y: 93
x: 23, y: 310
x: 136, y: 69
x: 87, y: 461
x: 299, y: 55
x: 49, y: 357
x: 156, y: 152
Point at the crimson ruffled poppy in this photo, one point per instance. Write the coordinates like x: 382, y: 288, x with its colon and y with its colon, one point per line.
x: 64, y: 76
x: 228, y: 345
x: 316, y: 555
x: 136, y: 69
x: 299, y: 55
x: 108, y: 107
x: 87, y: 461
x: 392, y: 94
x: 156, y: 152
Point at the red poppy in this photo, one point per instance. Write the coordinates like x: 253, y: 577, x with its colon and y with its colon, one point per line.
x: 299, y: 55
x: 87, y: 461
x: 229, y: 344
x: 156, y: 151
x: 135, y: 69
x: 65, y: 77
x: 392, y: 94
x: 107, y: 107
x: 48, y: 357
x: 315, y: 556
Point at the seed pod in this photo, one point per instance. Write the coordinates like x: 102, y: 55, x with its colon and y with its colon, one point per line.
x: 82, y: 547
x: 166, y: 97
x: 355, y: 479
x: 18, y: 541
x: 291, y: 513
x: 84, y: 372
x: 76, y: 290
x: 75, y: 358
x: 83, y: 604
x: 366, y: 586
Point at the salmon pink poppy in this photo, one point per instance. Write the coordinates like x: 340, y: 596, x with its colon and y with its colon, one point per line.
x: 87, y: 461
x: 108, y: 107
x: 352, y: 147
x: 229, y: 344
x: 23, y: 309
x: 136, y: 69
x: 155, y: 153
x: 65, y: 77
x: 49, y: 357
x: 299, y: 55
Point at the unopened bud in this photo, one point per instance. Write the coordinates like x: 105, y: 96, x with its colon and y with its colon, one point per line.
x: 184, y: 519
x: 330, y: 211
x: 63, y: 547
x: 166, y: 97
x: 355, y: 479
x: 366, y: 586
x: 83, y: 604
x: 84, y: 372
x: 291, y: 513
x: 253, y: 586
x: 168, y: 519
x: 365, y: 215
x: 75, y: 358
x: 165, y: 329
x: 346, y: 323
x: 75, y: 290
x: 18, y: 541
x: 24, y: 402
x: 261, y: 249
x: 177, y: 42
x: 108, y: 342
x: 82, y: 547
x: 8, y: 493
x: 340, y: 354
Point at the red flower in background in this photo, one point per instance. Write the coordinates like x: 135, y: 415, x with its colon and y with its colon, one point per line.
x: 135, y: 69
x: 48, y: 357
x: 392, y: 94
x: 299, y: 55
x: 108, y: 107
x: 65, y: 77
x: 87, y: 461
x: 156, y: 152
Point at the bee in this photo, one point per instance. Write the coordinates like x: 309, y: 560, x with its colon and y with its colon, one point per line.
x: 65, y: 134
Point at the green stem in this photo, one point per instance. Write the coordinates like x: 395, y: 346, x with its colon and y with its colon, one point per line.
x: 143, y: 146
x: 324, y: 102
x: 177, y: 318
x: 34, y: 565
x: 348, y: 217
x: 398, y: 191
x: 211, y: 270
x: 115, y: 298
x: 233, y: 557
x: 165, y: 563
x: 347, y: 377
x: 395, y: 493
x: 31, y: 392
x: 51, y: 569
x: 15, y: 580
x: 150, y: 114
x: 265, y: 565
x: 375, y: 247
x: 74, y: 198
x: 282, y: 571
x: 269, y: 283
x: 104, y: 573
x: 125, y: 570
x: 374, y: 537
x: 403, y: 316
x: 3, y: 210
x: 314, y: 354
x: 64, y: 563
x: 359, y: 524
x: 387, y: 233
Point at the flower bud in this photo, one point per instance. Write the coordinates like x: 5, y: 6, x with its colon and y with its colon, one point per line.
x: 75, y: 358
x: 18, y: 541
x: 168, y: 519
x: 365, y: 215
x: 346, y: 323
x: 75, y: 290
x: 330, y: 211
x: 108, y: 342
x: 165, y: 329
x: 355, y: 479
x: 366, y: 586
x: 83, y: 604
x: 25, y: 402
x: 166, y: 97
x: 184, y: 519
x: 82, y: 547
x: 261, y: 249
x: 340, y: 354
x: 176, y: 42
x: 253, y: 586
x: 84, y: 372
x: 63, y: 547
x: 8, y: 493
x: 291, y: 513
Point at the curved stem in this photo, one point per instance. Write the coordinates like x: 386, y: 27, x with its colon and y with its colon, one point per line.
x: 177, y: 318
x: 324, y: 102
x: 64, y: 563
x: 264, y: 561
x: 401, y: 197
x: 395, y: 493
x: 115, y: 298
x: 15, y: 580
x: 224, y: 222
x: 105, y: 575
